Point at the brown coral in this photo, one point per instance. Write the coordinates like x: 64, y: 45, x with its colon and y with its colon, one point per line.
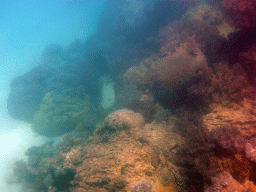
x: 120, y: 120
x: 242, y: 12
x: 240, y: 116
x: 124, y: 119
x: 177, y: 68
x: 142, y: 75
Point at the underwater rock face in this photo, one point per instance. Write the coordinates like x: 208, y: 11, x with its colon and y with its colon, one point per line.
x: 54, y: 119
x: 60, y: 74
x: 176, y: 72
x: 141, y: 186
x: 178, y: 68
x: 136, y: 159
x: 26, y: 93
x: 241, y: 12
x: 124, y: 119
x: 119, y: 121
x: 211, y: 150
x: 240, y: 117
x: 52, y: 55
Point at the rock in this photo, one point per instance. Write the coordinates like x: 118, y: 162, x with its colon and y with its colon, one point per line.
x: 55, y: 119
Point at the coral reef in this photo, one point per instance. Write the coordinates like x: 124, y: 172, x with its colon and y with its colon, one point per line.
x: 223, y: 181
x: 200, y: 35
x: 214, y: 158
x: 141, y: 186
x: 229, y: 138
x: 53, y: 55
x: 248, y: 61
x: 250, y: 150
x: 60, y: 74
x: 130, y: 97
x: 205, y: 23
x: 141, y: 75
x: 176, y: 73
x: 230, y: 83
x: 204, y: 14
x: 242, y: 12
x: 27, y: 92
x: 183, y: 119
x: 122, y: 162
x: 124, y: 119
x: 178, y: 68
x: 57, y: 118
x: 239, y: 116
x: 121, y: 120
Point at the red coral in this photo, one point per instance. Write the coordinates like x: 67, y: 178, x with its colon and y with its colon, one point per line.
x: 239, y: 5
x: 220, y: 181
x: 250, y: 149
x: 231, y: 83
x: 222, y: 81
x: 227, y: 137
x: 242, y: 12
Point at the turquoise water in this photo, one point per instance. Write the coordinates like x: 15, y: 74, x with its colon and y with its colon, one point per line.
x: 26, y: 27
x: 66, y: 65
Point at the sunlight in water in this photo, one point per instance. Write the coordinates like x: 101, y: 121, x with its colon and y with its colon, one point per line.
x: 15, y: 139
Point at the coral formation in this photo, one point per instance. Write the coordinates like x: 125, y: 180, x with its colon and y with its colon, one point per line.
x: 248, y: 59
x: 56, y: 118
x: 121, y: 163
x: 221, y: 181
x: 242, y: 12
x: 26, y: 93
x: 250, y: 150
x: 59, y: 74
x: 204, y: 14
x: 121, y: 120
x: 183, y: 119
x: 229, y: 138
x: 142, y: 75
x: 141, y: 186
x: 239, y: 116
x: 53, y: 55
x: 176, y: 73
x: 131, y: 98
x: 178, y: 68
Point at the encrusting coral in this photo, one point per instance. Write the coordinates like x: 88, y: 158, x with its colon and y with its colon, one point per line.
x: 209, y: 15
x: 242, y: 12
x: 178, y: 68
x: 57, y: 118
x: 201, y: 132
x: 121, y: 120
x: 134, y: 152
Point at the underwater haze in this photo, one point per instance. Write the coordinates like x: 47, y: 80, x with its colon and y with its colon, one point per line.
x: 128, y: 95
x: 26, y: 27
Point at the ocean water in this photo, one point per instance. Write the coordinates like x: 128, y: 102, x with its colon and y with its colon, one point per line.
x: 26, y: 27
x: 65, y: 65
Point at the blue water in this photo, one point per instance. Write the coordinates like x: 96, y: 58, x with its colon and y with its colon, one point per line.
x: 26, y: 27
x: 102, y: 29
